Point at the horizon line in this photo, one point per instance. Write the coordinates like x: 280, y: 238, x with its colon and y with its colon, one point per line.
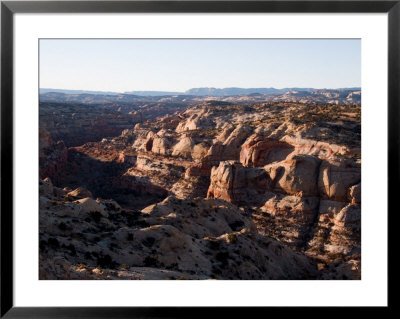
x: 204, y: 87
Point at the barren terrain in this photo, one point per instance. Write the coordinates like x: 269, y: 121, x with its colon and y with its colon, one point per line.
x: 253, y: 186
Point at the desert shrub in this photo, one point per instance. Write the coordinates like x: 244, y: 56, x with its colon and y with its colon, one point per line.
x: 213, y: 244
x: 173, y: 266
x: 62, y: 226
x: 112, y: 207
x: 42, y: 245
x: 232, y: 238
x: 222, y: 257
x: 104, y: 261
x: 215, y: 270
x: 150, y: 261
x: 124, y: 267
x: 88, y: 255
x: 96, y: 216
x: 115, y: 246
x: 53, y: 242
x: 236, y: 225
x: 71, y: 249
x: 148, y: 241
x: 142, y: 223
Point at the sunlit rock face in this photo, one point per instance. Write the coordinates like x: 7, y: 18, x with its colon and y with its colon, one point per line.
x: 258, y: 151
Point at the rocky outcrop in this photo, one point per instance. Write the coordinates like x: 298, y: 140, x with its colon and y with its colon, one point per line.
x: 292, y: 168
x: 337, y: 232
x: 228, y: 148
x: 127, y: 158
x: 258, y: 151
x: 336, y: 178
x: 305, y: 202
x: 173, y: 239
x: 80, y: 192
x: 161, y: 146
x: 183, y: 148
x: 287, y: 191
x: 355, y: 194
x: 234, y: 183
x: 45, y: 141
x: 52, y: 156
x: 297, y: 175
x: 77, y: 124
x: 89, y: 205
x: 314, y: 147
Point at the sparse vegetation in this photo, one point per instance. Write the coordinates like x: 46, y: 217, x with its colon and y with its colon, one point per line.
x: 96, y: 216
x: 232, y: 238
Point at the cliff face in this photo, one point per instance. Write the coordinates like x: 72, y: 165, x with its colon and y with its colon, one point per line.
x: 52, y: 156
x: 293, y: 169
x: 78, y: 124
x: 306, y: 202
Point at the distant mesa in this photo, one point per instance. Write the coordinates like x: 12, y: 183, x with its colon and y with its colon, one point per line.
x: 135, y: 101
x: 235, y: 91
x: 204, y: 91
x: 153, y: 93
x: 43, y: 91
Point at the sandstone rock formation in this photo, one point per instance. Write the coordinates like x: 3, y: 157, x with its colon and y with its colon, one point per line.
x: 80, y: 192
x: 174, y: 239
x: 52, y: 156
x: 77, y: 124
x: 258, y: 151
x: 288, y: 173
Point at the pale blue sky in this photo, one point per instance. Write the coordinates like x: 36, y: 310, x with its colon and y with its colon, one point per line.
x: 177, y: 65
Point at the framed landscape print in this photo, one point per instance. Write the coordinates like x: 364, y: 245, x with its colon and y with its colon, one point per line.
x: 164, y: 155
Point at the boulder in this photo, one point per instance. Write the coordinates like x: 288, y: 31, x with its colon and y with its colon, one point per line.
x: 349, y: 217
x: 235, y: 183
x: 304, y: 208
x: 45, y: 140
x: 161, y: 145
x: 229, y: 149
x: 336, y: 178
x: 183, y: 148
x: 80, y: 192
x: 88, y: 205
x: 46, y: 187
x: 297, y: 175
x: 355, y: 194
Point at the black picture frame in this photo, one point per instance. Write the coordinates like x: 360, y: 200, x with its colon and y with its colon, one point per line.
x: 9, y: 8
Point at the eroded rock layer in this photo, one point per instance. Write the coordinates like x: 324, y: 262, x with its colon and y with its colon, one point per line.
x: 292, y: 170
x: 174, y: 239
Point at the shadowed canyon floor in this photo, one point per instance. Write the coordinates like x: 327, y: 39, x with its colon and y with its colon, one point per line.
x: 212, y: 190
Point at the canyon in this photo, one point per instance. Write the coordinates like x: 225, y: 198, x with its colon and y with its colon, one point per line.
x: 252, y: 186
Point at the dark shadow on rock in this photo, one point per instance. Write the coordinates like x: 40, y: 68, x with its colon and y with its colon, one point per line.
x: 105, y: 179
